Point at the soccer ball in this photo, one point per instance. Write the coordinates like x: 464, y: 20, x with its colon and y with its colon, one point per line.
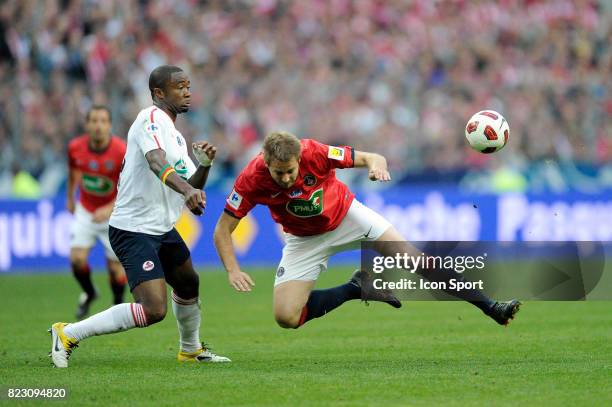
x: 487, y: 131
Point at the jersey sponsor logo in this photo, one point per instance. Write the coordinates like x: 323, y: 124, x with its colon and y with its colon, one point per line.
x: 148, y: 265
x: 235, y: 199
x: 310, y: 180
x: 97, y: 184
x: 295, y: 193
x: 335, y: 153
x: 181, y: 168
x: 305, y: 208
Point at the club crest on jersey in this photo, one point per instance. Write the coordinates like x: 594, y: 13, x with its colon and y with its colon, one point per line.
x: 234, y: 200
x: 148, y: 265
x: 305, y: 208
x: 309, y: 180
x: 109, y: 165
x: 335, y: 153
x: 295, y: 193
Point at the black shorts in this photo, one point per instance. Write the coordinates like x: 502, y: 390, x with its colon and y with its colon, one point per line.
x: 148, y: 257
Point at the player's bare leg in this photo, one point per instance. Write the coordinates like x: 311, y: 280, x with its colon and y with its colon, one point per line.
x: 82, y: 273
x: 118, y: 279
x: 149, y: 308
x: 295, y: 301
x: 185, y: 284
x: 290, y: 299
x: 500, y: 312
x: 152, y: 296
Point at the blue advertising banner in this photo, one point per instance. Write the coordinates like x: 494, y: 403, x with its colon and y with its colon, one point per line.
x: 35, y: 235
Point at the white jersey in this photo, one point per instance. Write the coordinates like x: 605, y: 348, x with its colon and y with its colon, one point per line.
x: 144, y: 204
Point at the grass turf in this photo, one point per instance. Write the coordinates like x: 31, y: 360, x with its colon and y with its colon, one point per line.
x: 427, y: 353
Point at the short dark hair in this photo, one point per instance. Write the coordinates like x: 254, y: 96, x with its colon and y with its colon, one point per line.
x: 99, y: 107
x: 160, y: 76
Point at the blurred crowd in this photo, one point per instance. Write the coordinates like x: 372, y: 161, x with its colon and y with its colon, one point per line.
x: 399, y: 77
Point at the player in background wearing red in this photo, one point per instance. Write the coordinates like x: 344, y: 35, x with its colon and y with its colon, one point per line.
x: 320, y: 217
x: 94, y: 163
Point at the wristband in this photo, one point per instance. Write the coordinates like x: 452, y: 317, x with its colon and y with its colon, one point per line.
x: 167, y: 170
x: 170, y: 171
x: 206, y: 163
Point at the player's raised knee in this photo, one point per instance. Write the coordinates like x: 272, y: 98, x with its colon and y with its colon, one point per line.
x: 155, y: 313
x: 287, y: 319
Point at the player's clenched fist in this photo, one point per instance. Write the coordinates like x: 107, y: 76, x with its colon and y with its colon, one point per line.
x: 204, y: 152
x: 195, y: 200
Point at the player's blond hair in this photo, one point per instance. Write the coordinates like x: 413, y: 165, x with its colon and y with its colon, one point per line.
x: 281, y: 146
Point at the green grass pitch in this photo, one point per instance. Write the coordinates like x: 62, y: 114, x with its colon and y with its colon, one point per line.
x: 424, y: 354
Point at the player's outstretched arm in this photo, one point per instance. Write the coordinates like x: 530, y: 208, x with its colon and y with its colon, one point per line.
x: 238, y: 279
x: 205, y: 153
x: 375, y: 163
x: 195, y: 199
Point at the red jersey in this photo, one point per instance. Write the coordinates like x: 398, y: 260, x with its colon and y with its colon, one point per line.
x: 99, y: 170
x: 315, y: 204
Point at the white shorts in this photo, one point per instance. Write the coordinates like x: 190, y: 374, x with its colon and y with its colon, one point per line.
x: 84, y: 232
x: 305, y: 257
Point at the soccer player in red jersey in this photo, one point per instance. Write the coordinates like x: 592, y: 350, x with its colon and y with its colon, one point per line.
x: 94, y: 163
x: 320, y: 216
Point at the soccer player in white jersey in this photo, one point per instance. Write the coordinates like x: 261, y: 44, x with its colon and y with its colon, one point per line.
x: 157, y: 179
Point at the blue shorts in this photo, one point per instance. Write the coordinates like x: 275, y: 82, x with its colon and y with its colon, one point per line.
x: 148, y: 257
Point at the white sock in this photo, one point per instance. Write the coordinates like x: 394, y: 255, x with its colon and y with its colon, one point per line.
x: 187, y: 313
x: 117, y: 318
